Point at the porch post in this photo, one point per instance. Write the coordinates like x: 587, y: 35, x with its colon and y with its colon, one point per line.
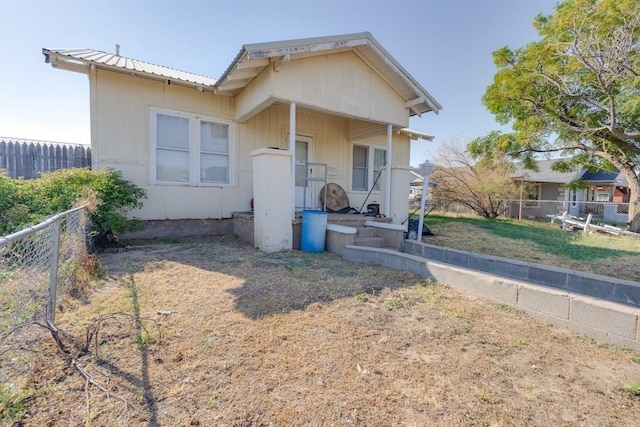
x: 387, y: 195
x: 520, y: 203
x: 292, y: 148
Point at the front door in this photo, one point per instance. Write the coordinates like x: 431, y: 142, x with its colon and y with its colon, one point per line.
x: 304, y: 145
x: 576, y: 201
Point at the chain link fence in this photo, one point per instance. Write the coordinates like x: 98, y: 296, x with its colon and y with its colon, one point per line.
x: 536, y: 209
x: 38, y: 267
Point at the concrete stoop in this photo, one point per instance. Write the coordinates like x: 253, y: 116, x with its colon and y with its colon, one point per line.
x: 368, y: 234
x: 605, y: 321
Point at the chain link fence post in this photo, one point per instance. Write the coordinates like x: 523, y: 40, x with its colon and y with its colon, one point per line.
x: 53, y: 272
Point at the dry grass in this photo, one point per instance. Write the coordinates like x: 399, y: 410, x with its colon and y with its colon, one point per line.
x: 615, y: 256
x: 224, y: 335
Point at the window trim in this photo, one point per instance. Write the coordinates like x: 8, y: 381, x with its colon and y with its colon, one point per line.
x: 195, y: 149
x: 533, y: 203
x: 371, y: 149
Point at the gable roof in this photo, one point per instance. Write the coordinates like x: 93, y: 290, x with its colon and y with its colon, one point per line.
x: 600, y: 175
x: 545, y: 173
x: 83, y: 59
x: 253, y: 58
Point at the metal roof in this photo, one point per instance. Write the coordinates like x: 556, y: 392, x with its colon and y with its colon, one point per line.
x: 253, y: 58
x: 83, y: 59
x: 414, y: 134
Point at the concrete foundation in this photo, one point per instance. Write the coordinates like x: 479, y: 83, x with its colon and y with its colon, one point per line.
x: 153, y: 229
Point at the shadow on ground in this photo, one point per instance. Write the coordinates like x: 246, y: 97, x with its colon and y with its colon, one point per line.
x: 272, y: 282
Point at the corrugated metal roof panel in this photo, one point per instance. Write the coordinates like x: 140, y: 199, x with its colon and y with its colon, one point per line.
x: 99, y: 58
x: 414, y: 134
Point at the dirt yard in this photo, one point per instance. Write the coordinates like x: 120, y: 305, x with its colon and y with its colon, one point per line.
x: 215, y: 333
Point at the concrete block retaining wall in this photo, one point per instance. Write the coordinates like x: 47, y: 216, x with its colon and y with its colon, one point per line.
x: 605, y: 321
x: 617, y: 290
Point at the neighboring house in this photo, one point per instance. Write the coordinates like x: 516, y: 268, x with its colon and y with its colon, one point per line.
x: 415, y: 186
x: 417, y: 179
x: 598, y: 189
x: 204, y: 148
x: 603, y: 186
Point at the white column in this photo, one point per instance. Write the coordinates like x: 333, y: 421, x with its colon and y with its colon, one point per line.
x: 272, y: 231
x: 292, y: 148
x: 387, y: 195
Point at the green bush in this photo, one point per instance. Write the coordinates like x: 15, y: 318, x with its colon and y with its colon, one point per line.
x: 110, y: 197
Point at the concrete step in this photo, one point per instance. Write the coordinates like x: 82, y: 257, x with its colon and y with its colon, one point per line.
x: 366, y: 232
x: 370, y: 241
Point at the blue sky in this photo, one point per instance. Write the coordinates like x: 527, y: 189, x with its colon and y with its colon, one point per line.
x: 445, y: 45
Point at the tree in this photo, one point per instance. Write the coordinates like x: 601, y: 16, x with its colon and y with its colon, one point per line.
x: 484, y: 186
x: 575, y: 92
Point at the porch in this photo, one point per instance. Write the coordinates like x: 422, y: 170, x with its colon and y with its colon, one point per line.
x: 363, y: 227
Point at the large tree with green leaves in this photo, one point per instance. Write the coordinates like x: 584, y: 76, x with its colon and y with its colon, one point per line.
x: 576, y: 92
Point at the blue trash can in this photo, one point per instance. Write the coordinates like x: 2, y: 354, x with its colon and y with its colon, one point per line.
x: 314, y: 231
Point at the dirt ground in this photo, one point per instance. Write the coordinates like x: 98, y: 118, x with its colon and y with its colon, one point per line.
x: 214, y: 333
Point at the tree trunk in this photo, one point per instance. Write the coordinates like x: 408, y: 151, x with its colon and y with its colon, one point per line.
x: 634, y: 200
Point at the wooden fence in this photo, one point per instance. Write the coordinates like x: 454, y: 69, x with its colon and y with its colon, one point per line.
x: 27, y: 159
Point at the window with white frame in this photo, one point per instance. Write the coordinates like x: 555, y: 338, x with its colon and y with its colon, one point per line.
x: 367, y: 162
x: 190, y: 149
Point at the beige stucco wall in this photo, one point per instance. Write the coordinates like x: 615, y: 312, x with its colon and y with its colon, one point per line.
x: 120, y: 140
x: 339, y: 82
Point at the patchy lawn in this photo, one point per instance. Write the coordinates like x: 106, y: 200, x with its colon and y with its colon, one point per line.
x: 215, y: 333
x: 539, y: 242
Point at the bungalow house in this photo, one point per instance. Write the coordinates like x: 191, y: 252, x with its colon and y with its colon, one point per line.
x: 601, y: 193
x: 205, y: 148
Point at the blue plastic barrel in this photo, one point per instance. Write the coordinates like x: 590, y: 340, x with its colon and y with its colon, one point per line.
x: 314, y: 231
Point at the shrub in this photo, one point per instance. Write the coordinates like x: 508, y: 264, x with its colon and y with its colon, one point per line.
x: 109, y: 196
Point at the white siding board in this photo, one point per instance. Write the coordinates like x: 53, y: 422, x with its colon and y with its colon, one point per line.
x: 120, y: 130
x: 121, y: 137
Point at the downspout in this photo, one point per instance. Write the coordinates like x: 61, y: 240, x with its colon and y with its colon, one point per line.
x: 387, y: 190
x: 292, y: 148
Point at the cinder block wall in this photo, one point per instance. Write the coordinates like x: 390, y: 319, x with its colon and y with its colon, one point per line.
x: 594, y: 285
x: 603, y: 320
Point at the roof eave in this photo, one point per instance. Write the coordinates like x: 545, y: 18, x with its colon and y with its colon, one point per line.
x: 84, y: 66
x: 415, y: 135
x: 268, y: 51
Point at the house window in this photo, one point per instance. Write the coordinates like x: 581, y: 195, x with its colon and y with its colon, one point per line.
x: 366, y: 167
x: 532, y: 194
x: 190, y: 149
